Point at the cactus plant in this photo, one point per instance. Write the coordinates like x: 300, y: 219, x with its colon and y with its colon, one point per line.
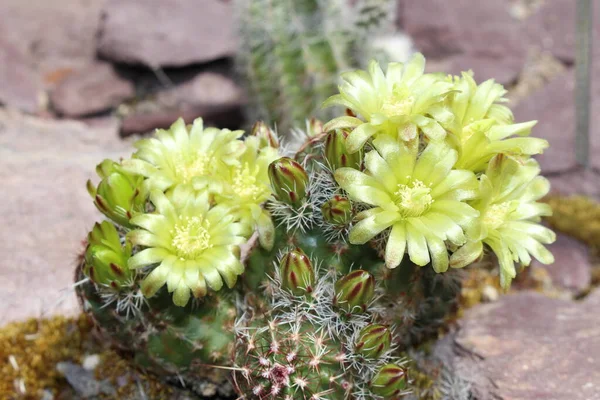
x: 292, y: 52
x: 328, y: 260
x: 319, y: 343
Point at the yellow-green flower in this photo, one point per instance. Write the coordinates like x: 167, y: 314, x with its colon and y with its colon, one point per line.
x: 246, y: 186
x: 482, y: 127
x: 421, y: 197
x: 397, y: 103
x: 179, y: 155
x: 510, y: 217
x: 193, y: 244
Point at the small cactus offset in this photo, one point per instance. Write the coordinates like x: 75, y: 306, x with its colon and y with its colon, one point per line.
x: 292, y: 52
x: 316, y: 267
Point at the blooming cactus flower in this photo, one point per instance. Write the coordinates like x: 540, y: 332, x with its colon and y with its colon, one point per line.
x: 179, y: 155
x: 482, y: 127
x: 395, y: 103
x: 420, y: 197
x: 245, y: 186
x: 509, y: 217
x: 194, y: 245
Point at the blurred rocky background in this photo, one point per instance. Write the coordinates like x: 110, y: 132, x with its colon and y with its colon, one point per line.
x: 80, y: 78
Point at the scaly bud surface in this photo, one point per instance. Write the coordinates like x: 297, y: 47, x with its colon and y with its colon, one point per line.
x: 355, y: 291
x: 391, y: 380
x: 337, y: 211
x: 288, y: 180
x: 336, y: 153
x: 119, y: 194
x: 105, y: 257
x: 373, y: 341
x: 297, y: 274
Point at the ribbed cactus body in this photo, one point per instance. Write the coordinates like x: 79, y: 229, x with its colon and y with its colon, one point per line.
x: 178, y: 344
x: 288, y: 360
x: 323, y: 343
x: 292, y: 52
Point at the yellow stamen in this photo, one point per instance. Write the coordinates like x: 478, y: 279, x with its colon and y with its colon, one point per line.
x: 413, y: 199
x: 191, y: 237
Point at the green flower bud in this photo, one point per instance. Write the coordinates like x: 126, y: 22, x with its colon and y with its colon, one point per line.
x: 373, y: 341
x: 297, y: 274
x: 267, y: 137
x: 288, y: 180
x: 355, y: 291
x: 119, y: 194
x: 336, y: 153
x: 105, y: 257
x: 337, y: 210
x: 391, y: 380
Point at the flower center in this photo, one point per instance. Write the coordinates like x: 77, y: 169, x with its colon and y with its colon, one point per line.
x: 413, y: 199
x: 186, y: 169
x: 400, y: 102
x: 245, y: 184
x: 191, y: 237
x: 495, y: 215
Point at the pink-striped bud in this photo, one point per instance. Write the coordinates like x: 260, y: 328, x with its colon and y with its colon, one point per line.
x: 390, y: 381
x: 373, y: 341
x: 297, y: 273
x: 355, y: 291
x: 288, y: 180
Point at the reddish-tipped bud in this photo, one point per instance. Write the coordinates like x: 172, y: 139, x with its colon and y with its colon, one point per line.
x: 106, y: 258
x: 288, y: 180
x: 373, y: 341
x: 297, y: 273
x: 267, y: 137
x: 315, y: 128
x: 391, y: 380
x: 337, y: 211
x: 336, y: 153
x: 355, y: 291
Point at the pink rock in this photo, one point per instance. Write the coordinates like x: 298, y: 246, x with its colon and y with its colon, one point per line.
x: 46, y: 211
x: 572, y: 269
x: 166, y: 32
x: 20, y: 84
x: 482, y: 36
x: 526, y: 346
x: 553, y: 107
x: 90, y: 90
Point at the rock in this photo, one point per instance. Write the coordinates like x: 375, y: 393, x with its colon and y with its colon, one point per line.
x: 454, y: 32
x: 572, y: 269
x: 95, y: 88
x: 206, y: 88
x: 210, y: 95
x: 181, y: 32
x: 552, y: 28
x: 502, y: 70
x: 552, y: 106
x: 46, y: 211
x: 577, y: 182
x: 528, y: 346
x: 594, y: 107
x: 84, y: 381
x: 53, y: 34
x: 20, y: 84
x: 230, y: 117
